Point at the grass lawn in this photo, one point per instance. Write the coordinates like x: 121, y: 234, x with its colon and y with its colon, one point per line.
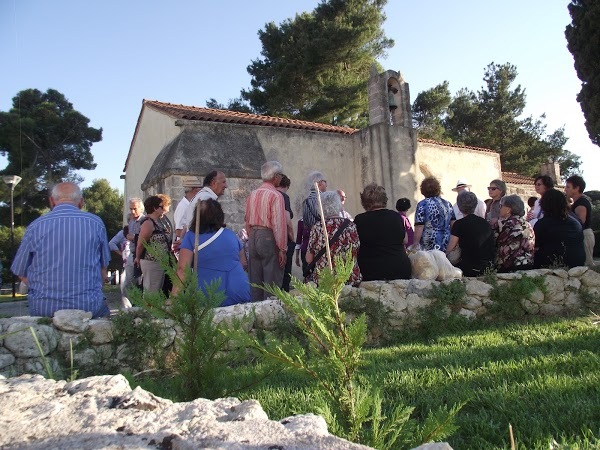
x: 4, y: 298
x: 541, y: 377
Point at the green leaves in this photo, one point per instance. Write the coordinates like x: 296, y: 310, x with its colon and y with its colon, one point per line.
x: 584, y: 43
x: 315, y: 66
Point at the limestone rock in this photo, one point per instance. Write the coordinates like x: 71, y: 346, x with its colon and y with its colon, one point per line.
x: 577, y: 271
x: 72, y: 320
x: 434, y: 446
x: 22, y: 343
x: 391, y: 298
x: 267, y: 314
x: 509, y: 276
x: 476, y: 287
x: 65, y: 340
x: 103, y: 412
x: 562, y: 273
x: 591, y: 279
x: 573, y: 283
x: 530, y: 307
x: 467, y: 313
x: 306, y: 424
x: 472, y: 303
x: 537, y: 297
x: 420, y: 287
x: 551, y: 310
x: 101, y: 331
x: 6, y: 359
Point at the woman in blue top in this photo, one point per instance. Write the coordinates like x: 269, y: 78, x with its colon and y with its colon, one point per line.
x: 433, y: 218
x: 220, y: 256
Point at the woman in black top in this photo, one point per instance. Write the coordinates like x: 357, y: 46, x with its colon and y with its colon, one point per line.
x: 558, y: 235
x: 474, y: 236
x: 382, y: 255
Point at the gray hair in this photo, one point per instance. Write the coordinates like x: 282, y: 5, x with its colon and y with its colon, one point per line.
x: 138, y: 201
x: 270, y: 169
x: 500, y: 185
x: 516, y: 205
x: 332, y: 203
x: 313, y: 177
x: 66, y: 192
x: 466, y: 202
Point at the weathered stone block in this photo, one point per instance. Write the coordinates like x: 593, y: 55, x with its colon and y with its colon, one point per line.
x: 537, y: 297
x: 22, y: 343
x: 420, y: 287
x: 71, y: 320
x: 551, y: 310
x: 529, y: 306
x: 476, y: 287
x: 562, y: 273
x: 267, y: 314
x: 391, y: 298
x: 65, y: 339
x: 509, y: 276
x: 472, y: 303
x: 578, y: 271
x: 573, y: 283
x: 6, y: 359
x: 101, y: 331
x: 467, y: 313
x: 591, y: 279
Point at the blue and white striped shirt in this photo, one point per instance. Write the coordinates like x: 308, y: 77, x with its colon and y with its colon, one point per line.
x: 61, y: 255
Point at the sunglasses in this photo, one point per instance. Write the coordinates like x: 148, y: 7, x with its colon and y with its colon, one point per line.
x: 492, y: 188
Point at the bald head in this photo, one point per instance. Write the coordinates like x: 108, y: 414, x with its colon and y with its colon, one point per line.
x: 68, y: 193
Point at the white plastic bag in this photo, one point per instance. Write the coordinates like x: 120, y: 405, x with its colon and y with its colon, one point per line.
x: 446, y: 271
x: 423, y: 265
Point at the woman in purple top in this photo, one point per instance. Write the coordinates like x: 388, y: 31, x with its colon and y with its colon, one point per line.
x: 403, y: 205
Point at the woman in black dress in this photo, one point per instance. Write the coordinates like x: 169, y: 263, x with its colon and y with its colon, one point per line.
x: 474, y: 236
x: 382, y: 255
x: 558, y: 235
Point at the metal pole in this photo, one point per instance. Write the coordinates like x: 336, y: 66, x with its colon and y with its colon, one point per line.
x: 12, y: 235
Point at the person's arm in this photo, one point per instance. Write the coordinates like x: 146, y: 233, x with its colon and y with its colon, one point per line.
x: 581, y: 213
x: 452, y: 244
x: 309, y: 257
x: 115, y: 243
x: 145, y: 233
x: 290, y: 226
x: 418, y: 233
x: 185, y: 260
x: 243, y: 259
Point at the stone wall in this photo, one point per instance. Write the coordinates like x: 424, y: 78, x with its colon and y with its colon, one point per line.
x: 390, y: 306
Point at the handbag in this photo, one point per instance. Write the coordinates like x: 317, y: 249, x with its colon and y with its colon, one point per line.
x: 319, y: 255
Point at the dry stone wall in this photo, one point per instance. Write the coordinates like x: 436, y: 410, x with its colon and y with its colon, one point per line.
x: 389, y: 306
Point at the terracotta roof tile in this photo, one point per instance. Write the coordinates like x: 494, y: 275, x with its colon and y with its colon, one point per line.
x: 481, y: 149
x: 512, y: 177
x: 221, y: 115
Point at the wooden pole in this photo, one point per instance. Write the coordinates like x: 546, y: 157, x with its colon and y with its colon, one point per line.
x: 197, y: 235
x: 327, y: 250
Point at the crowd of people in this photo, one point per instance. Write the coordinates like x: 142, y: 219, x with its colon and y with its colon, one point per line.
x: 498, y: 234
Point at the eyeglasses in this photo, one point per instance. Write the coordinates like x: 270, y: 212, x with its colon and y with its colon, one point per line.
x: 492, y: 188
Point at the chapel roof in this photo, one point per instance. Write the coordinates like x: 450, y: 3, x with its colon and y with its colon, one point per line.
x: 222, y: 115
x: 515, y: 178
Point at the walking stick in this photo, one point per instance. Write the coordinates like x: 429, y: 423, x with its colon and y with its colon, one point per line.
x: 197, y: 236
x: 327, y: 250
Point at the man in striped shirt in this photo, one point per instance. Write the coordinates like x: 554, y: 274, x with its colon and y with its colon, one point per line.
x: 63, y: 257
x: 266, y: 224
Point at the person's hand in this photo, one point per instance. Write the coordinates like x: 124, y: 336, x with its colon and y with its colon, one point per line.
x: 176, y: 245
x: 282, y: 258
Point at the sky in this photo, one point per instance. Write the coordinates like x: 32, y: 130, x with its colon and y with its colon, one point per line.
x: 107, y: 56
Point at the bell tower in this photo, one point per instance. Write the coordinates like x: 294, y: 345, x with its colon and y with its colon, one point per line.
x: 389, y: 99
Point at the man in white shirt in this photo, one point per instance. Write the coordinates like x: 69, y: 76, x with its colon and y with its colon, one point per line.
x: 463, y: 185
x: 192, y: 186
x: 213, y: 187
